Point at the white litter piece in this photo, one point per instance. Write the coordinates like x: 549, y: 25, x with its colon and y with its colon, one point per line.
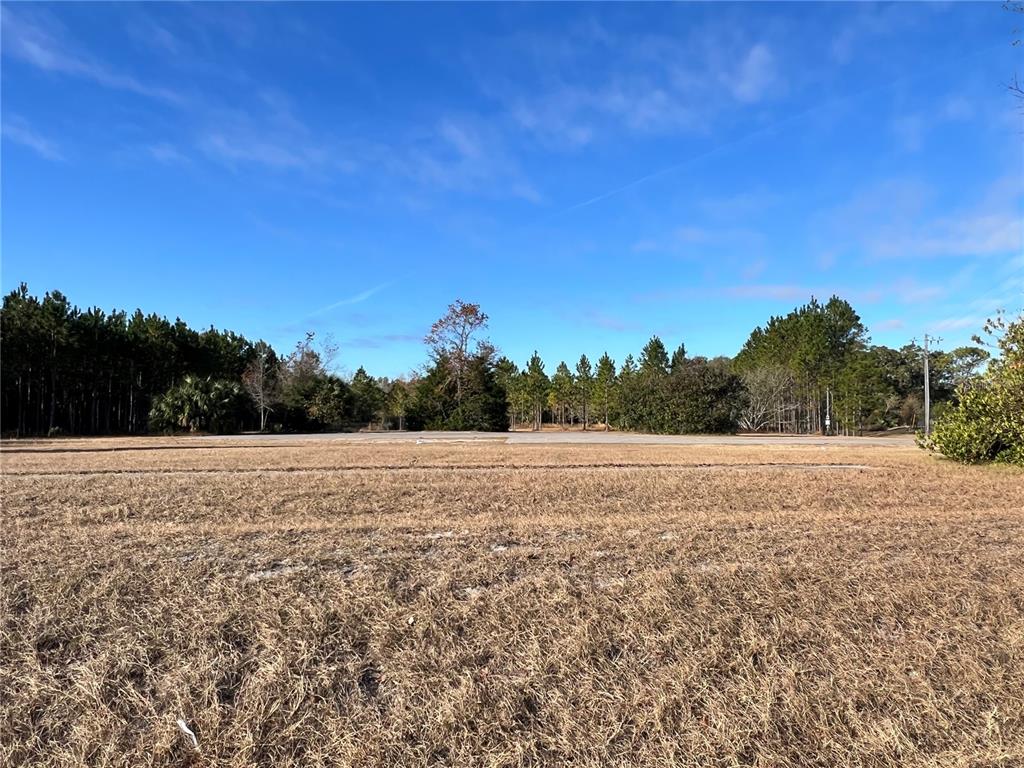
x: 183, y: 726
x: 439, y: 535
x: 283, y: 568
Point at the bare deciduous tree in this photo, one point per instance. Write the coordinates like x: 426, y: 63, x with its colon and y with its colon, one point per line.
x: 1015, y: 85
x: 766, y: 389
x: 451, y: 336
x: 261, y: 380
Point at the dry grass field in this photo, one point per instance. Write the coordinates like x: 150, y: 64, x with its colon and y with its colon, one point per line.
x: 490, y: 605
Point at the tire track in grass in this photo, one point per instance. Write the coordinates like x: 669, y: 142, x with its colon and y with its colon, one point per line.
x: 467, y: 468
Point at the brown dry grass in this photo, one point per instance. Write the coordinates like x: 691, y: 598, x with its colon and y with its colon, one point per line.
x: 463, y: 605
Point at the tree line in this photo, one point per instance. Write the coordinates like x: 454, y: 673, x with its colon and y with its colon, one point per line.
x: 70, y: 371
x: 64, y: 370
x: 814, y: 370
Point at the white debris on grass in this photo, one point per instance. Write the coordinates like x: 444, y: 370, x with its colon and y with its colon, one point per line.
x: 183, y: 727
x: 280, y: 568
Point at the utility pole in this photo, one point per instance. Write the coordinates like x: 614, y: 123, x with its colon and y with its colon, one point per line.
x: 927, y: 392
x: 828, y: 410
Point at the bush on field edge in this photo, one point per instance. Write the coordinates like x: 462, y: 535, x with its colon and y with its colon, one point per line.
x: 987, y: 422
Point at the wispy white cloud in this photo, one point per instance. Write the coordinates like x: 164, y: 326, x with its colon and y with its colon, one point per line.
x: 250, y: 148
x: 891, y: 324
x: 465, y: 142
x: 909, y: 132
x: 742, y: 205
x: 826, y: 259
x: 151, y: 34
x: 869, y: 23
x: 645, y: 245
x: 1015, y: 264
x: 970, y: 234
x: 457, y: 154
x: 606, y: 321
x: 1005, y: 293
x: 897, y: 219
x: 268, y: 134
x: 564, y: 92
x: 777, y: 291
x: 754, y: 291
x: 463, y: 154
x: 264, y: 130
x: 382, y: 340
x: 167, y: 154
x: 906, y: 290
x: 37, y: 39
x: 958, y: 323
x: 909, y: 291
x: 696, y: 240
x: 957, y: 108
x: 20, y: 132
x: 358, y: 298
x: 754, y: 269
x: 692, y: 234
x: 756, y: 75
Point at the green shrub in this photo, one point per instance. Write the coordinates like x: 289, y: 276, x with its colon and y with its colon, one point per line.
x: 987, y: 423
x: 199, y: 405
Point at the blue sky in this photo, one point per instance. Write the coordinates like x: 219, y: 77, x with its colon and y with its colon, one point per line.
x: 590, y: 174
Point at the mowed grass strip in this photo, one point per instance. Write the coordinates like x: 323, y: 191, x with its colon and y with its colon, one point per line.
x: 185, y: 454
x: 643, y: 612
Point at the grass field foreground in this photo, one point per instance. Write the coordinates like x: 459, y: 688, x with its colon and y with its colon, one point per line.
x: 492, y: 605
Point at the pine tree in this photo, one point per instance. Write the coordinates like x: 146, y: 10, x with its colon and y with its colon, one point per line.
x: 626, y: 394
x: 654, y: 358
x: 605, y: 383
x: 562, y: 391
x: 678, y: 359
x: 584, y: 389
x: 537, y: 386
x: 508, y: 376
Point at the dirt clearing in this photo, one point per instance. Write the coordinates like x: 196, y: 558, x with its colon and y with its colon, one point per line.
x: 324, y: 603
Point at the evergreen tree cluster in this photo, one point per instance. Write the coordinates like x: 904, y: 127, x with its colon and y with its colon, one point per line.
x: 64, y: 370
x: 69, y: 371
x: 660, y: 394
x: 814, y: 370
